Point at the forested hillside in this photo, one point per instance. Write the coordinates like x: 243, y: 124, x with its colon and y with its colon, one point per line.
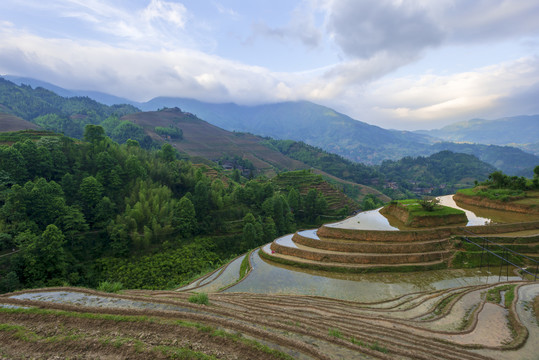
x: 81, y: 212
x: 68, y: 115
x: 438, y: 174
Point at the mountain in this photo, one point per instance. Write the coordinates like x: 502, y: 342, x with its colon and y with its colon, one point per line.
x: 509, y: 159
x: 337, y: 133
x: 504, y: 131
x: 311, y: 123
x: 202, y: 140
x: 100, y: 97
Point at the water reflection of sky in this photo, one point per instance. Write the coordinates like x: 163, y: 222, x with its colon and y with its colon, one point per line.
x: 272, y: 278
x: 373, y: 220
x: 473, y: 219
x: 366, y: 220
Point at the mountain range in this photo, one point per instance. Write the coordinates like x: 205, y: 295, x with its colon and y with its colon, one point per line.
x: 358, y: 141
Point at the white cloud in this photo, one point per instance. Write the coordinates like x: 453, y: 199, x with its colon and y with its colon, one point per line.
x: 431, y: 100
x: 301, y: 27
x: 155, y: 50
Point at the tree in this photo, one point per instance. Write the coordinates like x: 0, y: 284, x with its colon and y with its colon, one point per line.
x: 249, y: 236
x: 90, y: 193
x: 93, y: 133
x: 44, y: 256
x: 167, y: 152
x: 185, y: 219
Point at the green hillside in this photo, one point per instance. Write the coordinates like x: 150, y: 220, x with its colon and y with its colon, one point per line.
x: 82, y: 212
x: 438, y: 174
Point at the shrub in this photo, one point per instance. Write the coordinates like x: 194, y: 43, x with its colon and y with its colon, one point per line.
x: 201, y: 298
x: 111, y: 287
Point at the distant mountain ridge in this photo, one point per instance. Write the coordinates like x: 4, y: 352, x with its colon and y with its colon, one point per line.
x: 337, y: 133
x: 504, y: 131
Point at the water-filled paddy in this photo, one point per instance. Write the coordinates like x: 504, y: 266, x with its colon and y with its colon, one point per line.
x: 219, y: 279
x: 79, y: 298
x: 272, y: 278
x: 373, y: 220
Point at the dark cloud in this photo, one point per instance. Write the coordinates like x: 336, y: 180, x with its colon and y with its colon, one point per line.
x: 364, y: 28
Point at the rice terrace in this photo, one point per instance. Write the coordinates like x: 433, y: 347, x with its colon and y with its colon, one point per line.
x: 374, y: 286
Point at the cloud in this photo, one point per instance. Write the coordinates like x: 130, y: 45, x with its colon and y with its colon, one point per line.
x: 136, y: 74
x: 364, y: 28
x: 301, y: 27
x: 428, y: 101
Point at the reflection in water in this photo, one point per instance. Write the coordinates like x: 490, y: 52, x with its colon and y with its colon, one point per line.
x: 366, y: 220
x: 495, y: 216
x: 272, y: 278
x: 373, y: 220
x: 473, y: 219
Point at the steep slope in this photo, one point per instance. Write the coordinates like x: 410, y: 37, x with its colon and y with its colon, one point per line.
x: 339, y: 134
x: 203, y: 140
x: 13, y: 123
x: 305, y: 121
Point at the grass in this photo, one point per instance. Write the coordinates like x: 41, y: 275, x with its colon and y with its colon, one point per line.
x: 414, y: 208
x: 374, y: 346
x: 443, y: 304
x: 335, y: 333
x: 472, y: 259
x: 110, y: 287
x: 504, y: 195
x: 245, y: 266
x: 494, y: 294
x: 200, y: 298
x: 173, y: 352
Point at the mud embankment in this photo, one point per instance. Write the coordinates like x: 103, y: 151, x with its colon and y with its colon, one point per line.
x: 494, y: 204
x: 403, y: 215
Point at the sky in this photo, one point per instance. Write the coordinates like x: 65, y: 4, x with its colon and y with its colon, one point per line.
x: 400, y: 64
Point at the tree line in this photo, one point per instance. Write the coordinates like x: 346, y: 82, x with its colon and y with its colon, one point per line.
x: 81, y: 212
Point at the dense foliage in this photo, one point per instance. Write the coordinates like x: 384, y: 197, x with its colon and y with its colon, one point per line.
x: 69, y: 116
x: 439, y: 174
x: 83, y: 212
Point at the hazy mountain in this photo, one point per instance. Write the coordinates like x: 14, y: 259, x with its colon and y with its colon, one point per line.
x: 101, y: 97
x: 505, y: 131
x: 340, y: 134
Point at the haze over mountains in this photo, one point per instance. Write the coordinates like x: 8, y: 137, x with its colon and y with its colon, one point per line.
x: 355, y: 140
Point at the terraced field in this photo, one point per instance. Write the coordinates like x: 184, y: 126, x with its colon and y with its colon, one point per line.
x: 474, y: 322
x: 259, y: 309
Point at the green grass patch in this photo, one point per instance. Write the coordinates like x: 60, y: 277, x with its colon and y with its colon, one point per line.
x: 414, y: 208
x: 494, y: 294
x: 443, y: 304
x: 245, y: 267
x: 335, y: 333
x: 110, y: 286
x: 200, y: 298
x: 504, y: 195
x: 374, y: 346
x: 472, y: 259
